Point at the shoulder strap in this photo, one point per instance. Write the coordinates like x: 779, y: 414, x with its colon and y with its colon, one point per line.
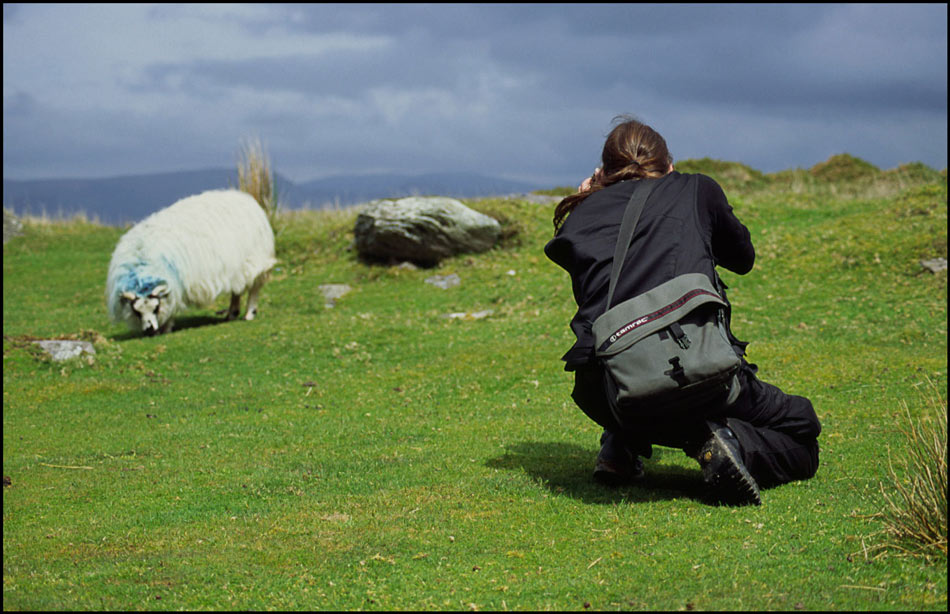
x: 629, y: 223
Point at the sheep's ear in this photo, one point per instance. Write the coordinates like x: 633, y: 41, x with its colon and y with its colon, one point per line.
x: 128, y: 297
x: 159, y: 291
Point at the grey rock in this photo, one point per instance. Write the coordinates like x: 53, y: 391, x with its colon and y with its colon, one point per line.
x: 444, y: 281
x: 423, y: 230
x: 469, y: 315
x: 62, y: 350
x: 934, y: 266
x: 331, y: 292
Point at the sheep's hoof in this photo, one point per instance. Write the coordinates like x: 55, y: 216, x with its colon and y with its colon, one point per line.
x: 227, y: 313
x: 250, y: 315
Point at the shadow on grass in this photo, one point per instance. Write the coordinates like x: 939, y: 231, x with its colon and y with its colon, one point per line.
x: 566, y: 469
x: 181, y: 323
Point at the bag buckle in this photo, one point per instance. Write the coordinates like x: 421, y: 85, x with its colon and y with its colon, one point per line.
x: 679, y: 335
x: 677, y: 373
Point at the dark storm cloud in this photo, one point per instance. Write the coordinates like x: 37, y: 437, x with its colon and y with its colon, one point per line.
x: 85, y: 143
x: 779, y: 58
x: 520, y: 89
x: 754, y: 56
x: 342, y: 73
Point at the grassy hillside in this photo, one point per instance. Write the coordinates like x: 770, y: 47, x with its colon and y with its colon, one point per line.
x: 379, y: 455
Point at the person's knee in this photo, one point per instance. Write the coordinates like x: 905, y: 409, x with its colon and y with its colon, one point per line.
x: 804, y: 412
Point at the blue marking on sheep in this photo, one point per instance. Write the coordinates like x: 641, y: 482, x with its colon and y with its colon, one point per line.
x: 133, y: 281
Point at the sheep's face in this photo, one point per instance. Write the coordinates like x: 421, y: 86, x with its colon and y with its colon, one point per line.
x: 149, y: 309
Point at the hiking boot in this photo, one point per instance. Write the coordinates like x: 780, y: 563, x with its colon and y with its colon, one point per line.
x: 616, y: 465
x: 611, y: 474
x: 724, y: 473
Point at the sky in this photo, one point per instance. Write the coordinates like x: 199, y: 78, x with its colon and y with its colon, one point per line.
x: 523, y: 92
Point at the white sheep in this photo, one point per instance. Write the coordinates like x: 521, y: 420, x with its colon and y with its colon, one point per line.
x: 186, y: 255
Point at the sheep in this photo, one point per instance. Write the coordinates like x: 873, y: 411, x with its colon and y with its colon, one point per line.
x: 187, y: 254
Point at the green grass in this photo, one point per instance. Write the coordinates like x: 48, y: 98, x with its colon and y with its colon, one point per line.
x: 377, y: 455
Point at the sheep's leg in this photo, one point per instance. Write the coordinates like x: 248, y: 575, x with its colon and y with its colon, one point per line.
x: 252, y: 297
x: 167, y: 326
x: 235, y: 309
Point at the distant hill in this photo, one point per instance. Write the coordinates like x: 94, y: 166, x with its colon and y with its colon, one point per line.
x: 120, y: 200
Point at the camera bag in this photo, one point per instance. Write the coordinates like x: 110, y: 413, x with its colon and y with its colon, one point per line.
x: 665, y: 351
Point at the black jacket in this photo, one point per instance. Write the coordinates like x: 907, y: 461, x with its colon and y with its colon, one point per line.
x: 687, y: 226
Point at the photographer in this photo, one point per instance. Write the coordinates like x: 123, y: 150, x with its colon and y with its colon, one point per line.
x: 762, y: 439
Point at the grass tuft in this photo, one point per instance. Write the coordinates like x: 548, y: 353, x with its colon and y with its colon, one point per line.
x: 257, y: 179
x: 915, y: 518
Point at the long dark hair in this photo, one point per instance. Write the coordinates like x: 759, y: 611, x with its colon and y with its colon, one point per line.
x: 633, y: 150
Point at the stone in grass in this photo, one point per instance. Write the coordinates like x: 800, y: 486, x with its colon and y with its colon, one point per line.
x: 331, y: 292
x: 466, y: 315
x: 61, y: 350
x: 422, y: 230
x: 444, y: 281
x: 934, y: 266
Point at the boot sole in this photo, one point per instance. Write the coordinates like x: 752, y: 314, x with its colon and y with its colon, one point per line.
x: 728, y: 479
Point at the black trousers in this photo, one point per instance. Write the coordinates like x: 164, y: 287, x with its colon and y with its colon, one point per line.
x: 778, y: 432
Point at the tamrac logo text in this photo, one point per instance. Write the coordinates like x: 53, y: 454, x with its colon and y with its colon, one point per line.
x: 626, y: 329
x: 659, y: 313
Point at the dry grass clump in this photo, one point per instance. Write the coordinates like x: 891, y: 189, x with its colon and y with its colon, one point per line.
x: 915, y: 516
x: 256, y: 177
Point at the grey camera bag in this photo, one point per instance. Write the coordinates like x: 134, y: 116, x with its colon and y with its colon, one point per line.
x: 667, y: 350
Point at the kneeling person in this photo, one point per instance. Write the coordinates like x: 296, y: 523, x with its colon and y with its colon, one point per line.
x: 764, y: 437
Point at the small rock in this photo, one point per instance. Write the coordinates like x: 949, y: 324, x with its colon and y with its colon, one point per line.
x: 331, y: 292
x: 465, y: 315
x: 62, y: 350
x: 934, y: 266
x: 444, y: 281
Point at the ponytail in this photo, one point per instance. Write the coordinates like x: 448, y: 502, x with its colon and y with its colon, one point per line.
x: 632, y: 151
